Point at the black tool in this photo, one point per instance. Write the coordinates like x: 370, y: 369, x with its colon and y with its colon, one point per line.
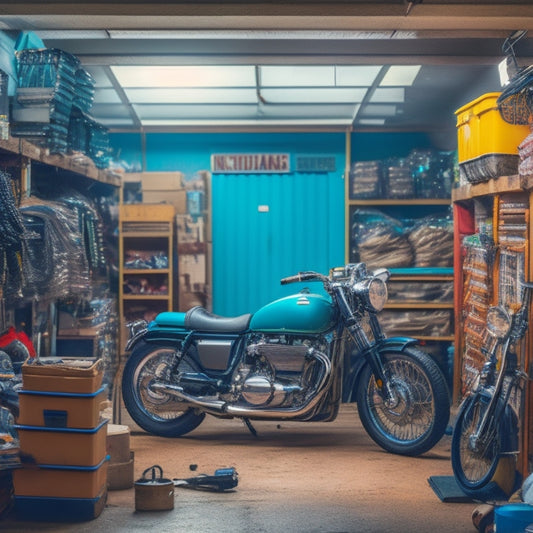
x: 223, y: 479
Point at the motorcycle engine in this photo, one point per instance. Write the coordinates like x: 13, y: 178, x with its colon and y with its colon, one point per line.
x: 275, y: 373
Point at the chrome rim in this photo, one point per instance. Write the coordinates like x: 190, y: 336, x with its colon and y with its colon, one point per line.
x: 155, y: 367
x: 476, y: 461
x: 409, y: 414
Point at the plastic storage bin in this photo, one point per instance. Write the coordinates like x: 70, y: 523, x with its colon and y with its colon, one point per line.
x: 61, y: 409
x: 487, y: 145
x: 61, y: 481
x: 63, y: 446
x: 45, y: 509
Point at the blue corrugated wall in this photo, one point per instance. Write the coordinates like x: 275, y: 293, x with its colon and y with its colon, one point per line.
x: 253, y: 249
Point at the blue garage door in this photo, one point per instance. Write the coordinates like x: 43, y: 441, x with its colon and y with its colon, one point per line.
x: 266, y: 227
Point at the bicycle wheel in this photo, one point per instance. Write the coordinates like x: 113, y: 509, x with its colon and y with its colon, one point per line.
x: 478, y: 465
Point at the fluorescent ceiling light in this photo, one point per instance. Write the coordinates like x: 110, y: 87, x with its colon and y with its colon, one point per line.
x: 192, y: 96
x: 248, y: 122
x: 312, y: 95
x: 260, y: 34
x: 356, y: 75
x: 72, y: 34
x: 297, y: 76
x: 400, y: 75
x: 371, y: 121
x: 393, y: 95
x: 185, y: 76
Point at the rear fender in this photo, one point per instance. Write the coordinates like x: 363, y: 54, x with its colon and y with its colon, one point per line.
x: 157, y: 336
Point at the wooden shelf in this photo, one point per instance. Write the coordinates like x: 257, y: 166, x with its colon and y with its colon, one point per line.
x: 403, y: 201
x: 410, y: 304
x: 499, y: 185
x: 150, y: 227
x: 82, y: 166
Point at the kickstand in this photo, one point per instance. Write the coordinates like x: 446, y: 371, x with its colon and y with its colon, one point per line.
x: 250, y: 427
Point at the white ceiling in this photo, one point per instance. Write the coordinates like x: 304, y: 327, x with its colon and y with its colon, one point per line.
x: 292, y: 64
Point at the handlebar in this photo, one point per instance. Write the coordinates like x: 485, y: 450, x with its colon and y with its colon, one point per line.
x: 304, y: 276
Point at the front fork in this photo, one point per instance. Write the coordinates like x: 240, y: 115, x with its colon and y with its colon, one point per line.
x: 372, y: 352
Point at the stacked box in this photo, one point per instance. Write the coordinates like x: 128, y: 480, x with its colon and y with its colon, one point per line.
x: 159, y: 188
x: 192, y: 268
x: 62, y: 442
x: 121, y: 458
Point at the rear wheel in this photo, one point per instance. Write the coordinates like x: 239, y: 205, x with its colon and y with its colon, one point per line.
x: 478, y: 466
x: 415, y: 418
x: 157, y: 412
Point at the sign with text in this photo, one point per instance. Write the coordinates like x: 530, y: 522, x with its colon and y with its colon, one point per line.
x: 250, y: 163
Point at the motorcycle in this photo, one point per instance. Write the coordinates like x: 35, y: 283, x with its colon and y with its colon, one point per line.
x: 289, y: 361
x: 485, y: 439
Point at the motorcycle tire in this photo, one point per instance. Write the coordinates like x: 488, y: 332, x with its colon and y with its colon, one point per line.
x: 417, y: 418
x: 154, y: 411
x: 482, y: 474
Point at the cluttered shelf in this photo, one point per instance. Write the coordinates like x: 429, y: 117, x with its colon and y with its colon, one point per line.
x: 80, y: 165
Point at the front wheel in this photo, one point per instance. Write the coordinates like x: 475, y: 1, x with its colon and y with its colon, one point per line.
x: 479, y: 468
x: 155, y: 411
x: 415, y: 417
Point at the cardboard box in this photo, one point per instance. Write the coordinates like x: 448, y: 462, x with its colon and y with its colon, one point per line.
x: 190, y: 234
x: 66, y: 375
x: 191, y: 271
x: 175, y: 197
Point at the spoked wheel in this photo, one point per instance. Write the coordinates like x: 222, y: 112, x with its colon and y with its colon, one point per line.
x: 414, y: 419
x: 478, y: 465
x: 155, y: 411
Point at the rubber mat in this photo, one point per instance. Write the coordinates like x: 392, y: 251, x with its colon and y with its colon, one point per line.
x: 446, y: 488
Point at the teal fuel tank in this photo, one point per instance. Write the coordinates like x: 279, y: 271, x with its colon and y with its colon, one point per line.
x: 298, y: 313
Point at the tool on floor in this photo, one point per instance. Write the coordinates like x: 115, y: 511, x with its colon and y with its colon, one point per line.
x: 222, y: 480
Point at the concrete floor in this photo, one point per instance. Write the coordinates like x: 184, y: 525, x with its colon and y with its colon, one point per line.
x: 293, y: 478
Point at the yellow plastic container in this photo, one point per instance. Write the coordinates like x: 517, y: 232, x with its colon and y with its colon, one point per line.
x: 63, y: 446
x: 481, y: 130
x: 61, y: 409
x: 60, y: 481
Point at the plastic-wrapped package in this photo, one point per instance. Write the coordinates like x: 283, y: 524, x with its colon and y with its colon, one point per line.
x: 433, y: 173
x: 432, y: 241
x: 417, y: 323
x: 366, y: 179
x: 380, y: 240
x: 88, y: 137
x: 13, y: 241
x: 399, y: 180
x: 46, y: 84
x: 71, y: 275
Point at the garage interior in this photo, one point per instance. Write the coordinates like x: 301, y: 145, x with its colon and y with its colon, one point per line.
x: 293, y: 67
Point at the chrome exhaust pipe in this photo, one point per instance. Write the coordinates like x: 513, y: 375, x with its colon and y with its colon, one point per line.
x: 218, y: 407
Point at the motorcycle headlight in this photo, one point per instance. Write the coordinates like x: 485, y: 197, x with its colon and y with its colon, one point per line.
x: 498, y: 322
x: 373, y: 293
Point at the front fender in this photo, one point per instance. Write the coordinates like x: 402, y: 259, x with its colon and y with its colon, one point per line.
x: 358, y: 361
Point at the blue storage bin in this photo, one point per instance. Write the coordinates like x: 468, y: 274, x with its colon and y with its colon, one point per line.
x: 60, y: 509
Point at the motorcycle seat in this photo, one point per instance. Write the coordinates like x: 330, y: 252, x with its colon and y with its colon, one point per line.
x: 200, y: 319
